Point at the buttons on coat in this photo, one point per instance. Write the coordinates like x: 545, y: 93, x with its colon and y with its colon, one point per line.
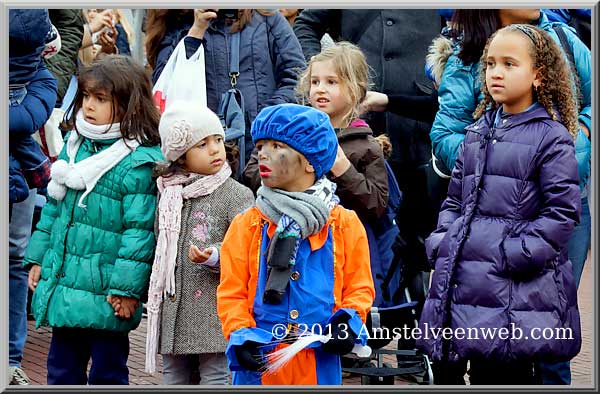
x: 389, y: 22
x: 295, y: 275
x: 173, y: 298
x: 294, y: 314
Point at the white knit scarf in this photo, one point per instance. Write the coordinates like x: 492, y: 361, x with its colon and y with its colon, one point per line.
x: 84, y: 174
x: 162, y: 279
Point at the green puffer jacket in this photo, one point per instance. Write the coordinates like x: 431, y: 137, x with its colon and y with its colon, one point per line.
x: 105, y: 249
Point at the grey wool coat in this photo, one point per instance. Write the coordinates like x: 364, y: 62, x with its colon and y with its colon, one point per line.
x: 189, y: 321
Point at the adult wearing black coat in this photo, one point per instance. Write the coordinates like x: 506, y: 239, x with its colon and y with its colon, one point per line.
x: 395, y: 42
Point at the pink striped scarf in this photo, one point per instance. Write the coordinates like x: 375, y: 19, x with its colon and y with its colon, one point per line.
x: 162, y: 279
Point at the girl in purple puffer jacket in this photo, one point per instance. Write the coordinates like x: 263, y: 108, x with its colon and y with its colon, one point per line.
x: 503, y: 285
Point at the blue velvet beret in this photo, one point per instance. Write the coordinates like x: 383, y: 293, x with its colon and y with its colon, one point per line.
x: 305, y: 129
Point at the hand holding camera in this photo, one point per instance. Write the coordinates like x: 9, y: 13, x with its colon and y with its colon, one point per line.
x: 108, y: 41
x: 202, y: 20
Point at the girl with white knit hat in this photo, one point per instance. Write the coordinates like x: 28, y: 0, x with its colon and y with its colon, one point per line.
x: 197, y: 201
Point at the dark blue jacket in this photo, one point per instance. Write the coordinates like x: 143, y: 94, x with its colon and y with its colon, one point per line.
x: 28, y: 29
x: 500, y: 249
x: 270, y: 57
x: 122, y: 41
x: 27, y: 163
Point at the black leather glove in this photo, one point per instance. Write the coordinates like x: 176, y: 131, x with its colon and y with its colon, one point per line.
x: 342, y: 337
x: 249, y: 357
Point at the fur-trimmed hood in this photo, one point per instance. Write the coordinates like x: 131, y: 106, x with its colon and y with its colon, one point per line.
x: 437, y: 55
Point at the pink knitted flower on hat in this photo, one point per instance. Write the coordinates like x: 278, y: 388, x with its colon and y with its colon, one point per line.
x: 180, y: 137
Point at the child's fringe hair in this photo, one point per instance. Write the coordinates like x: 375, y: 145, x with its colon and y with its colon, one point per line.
x: 559, y: 87
x: 386, y: 145
x: 352, y: 69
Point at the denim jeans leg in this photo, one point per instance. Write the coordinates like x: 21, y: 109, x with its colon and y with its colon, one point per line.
x: 18, y: 238
x: 214, y: 369
x: 68, y: 356
x: 177, y: 368
x: 579, y: 243
x: 110, y: 351
x: 580, y: 240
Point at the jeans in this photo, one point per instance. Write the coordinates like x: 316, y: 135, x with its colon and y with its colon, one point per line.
x: 579, y: 244
x: 580, y: 240
x: 72, y: 348
x: 18, y: 238
x: 180, y: 369
x: 16, y: 95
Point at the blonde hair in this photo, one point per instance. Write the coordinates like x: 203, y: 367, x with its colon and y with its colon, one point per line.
x: 351, y: 68
x: 559, y: 86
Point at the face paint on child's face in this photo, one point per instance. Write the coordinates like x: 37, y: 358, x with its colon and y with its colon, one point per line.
x: 509, y: 73
x: 207, y: 156
x: 281, y: 166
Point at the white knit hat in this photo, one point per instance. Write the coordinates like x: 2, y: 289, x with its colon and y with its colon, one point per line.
x: 183, y: 125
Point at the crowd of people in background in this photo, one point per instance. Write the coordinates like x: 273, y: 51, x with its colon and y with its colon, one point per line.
x: 456, y: 141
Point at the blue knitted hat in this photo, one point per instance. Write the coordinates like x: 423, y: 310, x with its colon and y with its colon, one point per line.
x: 305, y: 129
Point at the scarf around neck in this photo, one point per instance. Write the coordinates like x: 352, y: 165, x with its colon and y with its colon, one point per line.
x: 84, y: 174
x: 297, y: 214
x: 173, y: 190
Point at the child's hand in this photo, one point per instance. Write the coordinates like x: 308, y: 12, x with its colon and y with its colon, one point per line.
x: 100, y: 20
x: 115, y: 302
x: 124, y: 306
x: 341, y: 164
x: 108, y: 40
x: 128, y: 305
x: 199, y: 256
x: 34, y: 276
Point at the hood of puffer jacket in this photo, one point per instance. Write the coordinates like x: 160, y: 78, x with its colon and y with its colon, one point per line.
x: 28, y: 31
x: 437, y: 56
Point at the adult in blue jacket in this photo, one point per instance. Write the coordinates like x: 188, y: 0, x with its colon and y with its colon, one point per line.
x: 579, y: 18
x: 459, y: 93
x: 32, y: 95
x: 269, y: 59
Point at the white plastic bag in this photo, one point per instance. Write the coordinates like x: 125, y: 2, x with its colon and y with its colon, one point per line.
x: 53, y: 139
x: 181, y: 79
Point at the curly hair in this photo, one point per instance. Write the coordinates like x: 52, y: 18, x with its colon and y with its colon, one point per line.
x: 352, y: 69
x: 559, y: 85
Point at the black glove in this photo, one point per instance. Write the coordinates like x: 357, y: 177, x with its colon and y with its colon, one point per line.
x: 342, y: 337
x: 249, y: 357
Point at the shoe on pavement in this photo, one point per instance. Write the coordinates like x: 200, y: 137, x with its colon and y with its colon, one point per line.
x: 18, y: 377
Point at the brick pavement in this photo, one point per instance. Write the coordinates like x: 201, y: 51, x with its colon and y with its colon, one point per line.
x: 38, y: 341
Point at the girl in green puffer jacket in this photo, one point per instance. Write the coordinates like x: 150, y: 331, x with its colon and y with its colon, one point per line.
x: 92, y: 253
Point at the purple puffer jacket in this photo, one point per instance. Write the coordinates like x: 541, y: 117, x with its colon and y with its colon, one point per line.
x: 500, y: 246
